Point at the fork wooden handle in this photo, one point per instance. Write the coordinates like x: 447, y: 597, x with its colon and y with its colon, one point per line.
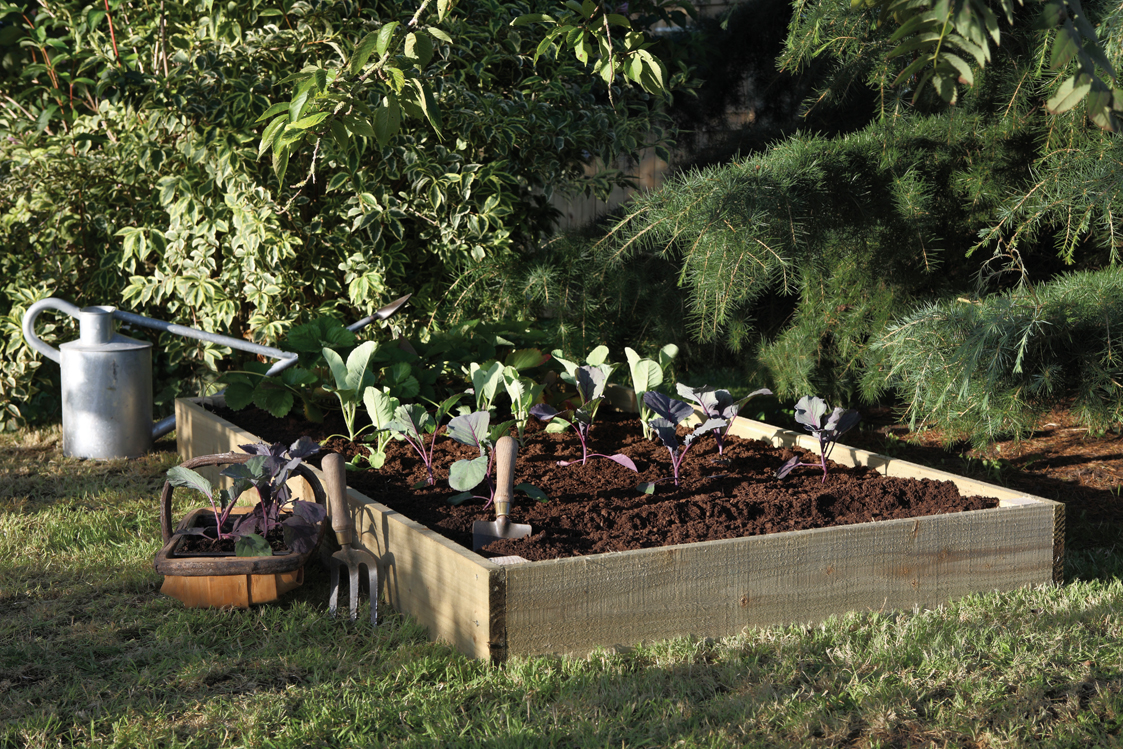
x: 335, y: 477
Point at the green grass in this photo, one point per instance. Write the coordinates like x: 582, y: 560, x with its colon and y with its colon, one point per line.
x: 92, y: 655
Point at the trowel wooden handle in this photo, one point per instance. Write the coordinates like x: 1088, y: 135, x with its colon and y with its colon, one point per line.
x: 335, y: 476
x: 506, y: 450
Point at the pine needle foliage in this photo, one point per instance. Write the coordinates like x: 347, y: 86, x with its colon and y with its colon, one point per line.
x: 845, y: 232
x: 987, y: 368
x: 835, y: 265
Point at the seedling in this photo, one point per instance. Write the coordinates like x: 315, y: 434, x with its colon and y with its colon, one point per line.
x: 267, y: 472
x: 523, y: 393
x: 810, y: 411
x: 581, y: 419
x: 718, y: 404
x: 647, y: 374
x: 465, y: 475
x: 590, y: 378
x: 412, y: 422
x: 381, y: 407
x: 351, y: 381
x: 671, y: 412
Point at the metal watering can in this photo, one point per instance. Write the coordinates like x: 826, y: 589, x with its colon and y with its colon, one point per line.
x: 107, y: 377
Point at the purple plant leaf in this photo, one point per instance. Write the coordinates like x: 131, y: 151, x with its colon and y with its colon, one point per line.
x: 788, y: 467
x: 259, y: 448
x: 312, y: 512
x: 543, y: 411
x: 249, y: 524
x: 590, y: 382
x: 300, y: 535
x: 470, y: 429
x: 623, y: 460
x: 810, y: 411
x: 842, y: 421
x: 303, y: 447
x: 707, y: 426
x: 671, y: 409
x: 666, y: 431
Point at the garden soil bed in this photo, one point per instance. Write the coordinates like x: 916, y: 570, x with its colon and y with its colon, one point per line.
x: 596, y: 508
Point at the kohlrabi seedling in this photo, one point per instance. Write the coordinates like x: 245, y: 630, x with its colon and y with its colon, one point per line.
x: 671, y: 412
x: 464, y: 475
x: 412, y: 422
x: 718, y: 404
x: 381, y: 407
x: 590, y: 378
x: 647, y: 374
x: 580, y: 419
x: 523, y: 393
x: 351, y: 381
x: 266, y: 472
x: 812, y: 413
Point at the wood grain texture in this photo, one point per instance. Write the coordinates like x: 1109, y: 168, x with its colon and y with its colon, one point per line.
x: 713, y: 589
x: 237, y: 591
x: 447, y: 588
x: 718, y: 588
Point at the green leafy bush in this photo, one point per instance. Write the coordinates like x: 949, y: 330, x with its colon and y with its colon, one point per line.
x: 130, y: 173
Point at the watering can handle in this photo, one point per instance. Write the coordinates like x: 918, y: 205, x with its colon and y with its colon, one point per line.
x: 32, y: 314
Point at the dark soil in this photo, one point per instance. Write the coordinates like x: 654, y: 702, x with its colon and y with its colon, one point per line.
x: 596, y: 508
x: 210, y: 545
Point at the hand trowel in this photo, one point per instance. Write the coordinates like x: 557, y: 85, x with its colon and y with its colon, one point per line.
x: 484, y: 532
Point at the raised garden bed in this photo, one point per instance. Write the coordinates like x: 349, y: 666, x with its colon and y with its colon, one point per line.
x: 714, y: 588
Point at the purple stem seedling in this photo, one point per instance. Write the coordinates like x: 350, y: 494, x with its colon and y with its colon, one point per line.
x: 671, y: 412
x: 810, y: 412
x: 718, y: 404
x: 581, y: 420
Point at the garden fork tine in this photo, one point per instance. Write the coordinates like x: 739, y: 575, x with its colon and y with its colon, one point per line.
x: 335, y: 478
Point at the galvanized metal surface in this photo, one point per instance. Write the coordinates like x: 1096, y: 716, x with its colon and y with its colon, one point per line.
x: 107, y: 377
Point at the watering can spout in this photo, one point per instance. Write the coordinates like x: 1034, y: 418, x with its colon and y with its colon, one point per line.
x: 107, y: 377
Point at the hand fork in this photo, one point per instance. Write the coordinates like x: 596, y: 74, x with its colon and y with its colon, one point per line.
x: 335, y: 478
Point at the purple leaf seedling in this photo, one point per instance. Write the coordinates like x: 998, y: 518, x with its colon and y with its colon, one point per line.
x: 718, y: 404
x: 810, y: 411
x: 671, y: 412
x: 581, y: 420
x: 412, y: 422
x: 266, y: 472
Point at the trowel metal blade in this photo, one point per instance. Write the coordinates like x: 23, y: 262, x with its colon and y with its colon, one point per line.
x: 484, y: 532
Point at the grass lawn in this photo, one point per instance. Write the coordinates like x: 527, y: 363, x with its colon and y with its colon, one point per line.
x: 92, y: 655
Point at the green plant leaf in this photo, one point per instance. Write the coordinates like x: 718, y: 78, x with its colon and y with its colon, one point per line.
x: 533, y: 492
x: 459, y: 499
x: 274, y: 400
x: 252, y: 545
x: 363, y: 51
x: 387, y: 119
x: 385, y: 34
x: 180, y: 476
x: 467, y: 474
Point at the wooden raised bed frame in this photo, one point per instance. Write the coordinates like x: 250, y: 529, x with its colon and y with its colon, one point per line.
x: 710, y: 589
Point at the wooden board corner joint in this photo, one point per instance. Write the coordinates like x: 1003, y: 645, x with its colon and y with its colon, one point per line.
x: 497, y: 616
x: 1058, y: 544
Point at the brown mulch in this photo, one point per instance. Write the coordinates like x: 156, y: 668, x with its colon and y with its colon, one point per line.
x: 1061, y: 460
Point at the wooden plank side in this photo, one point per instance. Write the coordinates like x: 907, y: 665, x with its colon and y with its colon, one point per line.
x: 719, y: 588
x: 433, y: 579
